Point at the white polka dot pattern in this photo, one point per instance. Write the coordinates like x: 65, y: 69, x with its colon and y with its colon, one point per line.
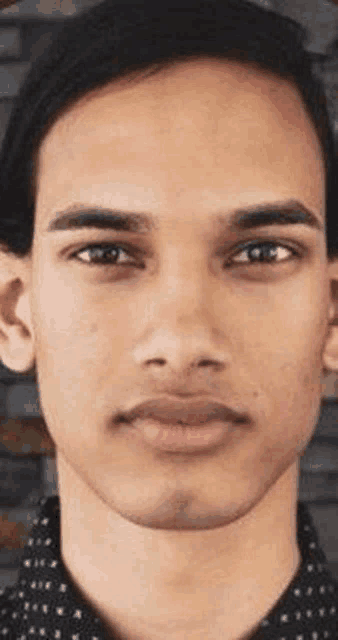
x: 308, y: 608
x: 44, y: 604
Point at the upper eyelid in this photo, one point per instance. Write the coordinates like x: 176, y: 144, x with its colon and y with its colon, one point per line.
x: 126, y: 247
x: 285, y: 244
x: 143, y: 246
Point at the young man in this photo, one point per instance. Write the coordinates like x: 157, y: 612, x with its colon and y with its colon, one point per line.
x: 176, y: 300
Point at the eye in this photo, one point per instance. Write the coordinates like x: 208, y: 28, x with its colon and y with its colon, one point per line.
x: 265, y: 252
x: 103, y: 254
x: 107, y: 255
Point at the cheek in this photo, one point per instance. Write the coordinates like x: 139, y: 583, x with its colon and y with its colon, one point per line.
x: 78, y: 333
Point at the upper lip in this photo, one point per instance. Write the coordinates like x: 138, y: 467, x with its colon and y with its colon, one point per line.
x: 190, y: 413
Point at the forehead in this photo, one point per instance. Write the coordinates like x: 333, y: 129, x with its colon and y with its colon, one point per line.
x: 204, y: 89
x: 236, y: 124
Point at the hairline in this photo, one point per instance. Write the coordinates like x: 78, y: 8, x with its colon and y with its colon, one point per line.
x: 128, y: 78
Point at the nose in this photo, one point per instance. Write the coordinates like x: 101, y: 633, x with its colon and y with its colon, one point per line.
x: 180, y: 362
x: 183, y: 336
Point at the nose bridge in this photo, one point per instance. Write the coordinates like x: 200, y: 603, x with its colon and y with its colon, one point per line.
x: 185, y: 302
x: 182, y: 331
x: 184, y: 283
x: 182, y: 305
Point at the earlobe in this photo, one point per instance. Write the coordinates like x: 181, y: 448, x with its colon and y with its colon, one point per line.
x: 16, y: 332
x: 331, y: 356
x: 17, y: 352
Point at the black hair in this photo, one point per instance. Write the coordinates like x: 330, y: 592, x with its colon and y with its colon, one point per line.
x: 112, y: 40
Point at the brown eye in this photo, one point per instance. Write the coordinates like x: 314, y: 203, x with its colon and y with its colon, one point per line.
x: 265, y: 252
x: 102, y: 255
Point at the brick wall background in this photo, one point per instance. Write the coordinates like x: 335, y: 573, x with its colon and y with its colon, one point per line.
x: 27, y: 464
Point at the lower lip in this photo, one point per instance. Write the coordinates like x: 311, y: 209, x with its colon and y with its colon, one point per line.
x: 179, y: 438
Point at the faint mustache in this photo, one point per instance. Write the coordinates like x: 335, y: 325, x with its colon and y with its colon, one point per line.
x: 185, y: 413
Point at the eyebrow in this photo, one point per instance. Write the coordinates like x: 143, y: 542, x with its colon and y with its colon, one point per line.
x: 271, y: 213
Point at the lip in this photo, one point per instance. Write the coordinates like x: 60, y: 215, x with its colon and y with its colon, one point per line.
x: 176, y: 438
x: 186, y: 414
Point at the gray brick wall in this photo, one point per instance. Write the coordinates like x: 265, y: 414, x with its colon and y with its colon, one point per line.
x: 319, y: 17
x: 25, y: 29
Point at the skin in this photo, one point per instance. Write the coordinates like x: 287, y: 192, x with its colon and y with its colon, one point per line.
x: 164, y: 546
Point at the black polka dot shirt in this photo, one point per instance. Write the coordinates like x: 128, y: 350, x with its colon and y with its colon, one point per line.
x: 44, y: 604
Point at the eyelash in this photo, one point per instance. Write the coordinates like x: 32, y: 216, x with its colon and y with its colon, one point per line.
x: 249, y: 247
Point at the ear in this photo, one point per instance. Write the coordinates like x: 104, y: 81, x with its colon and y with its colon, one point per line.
x: 330, y: 353
x: 16, y: 330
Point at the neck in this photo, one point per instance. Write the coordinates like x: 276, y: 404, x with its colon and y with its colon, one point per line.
x: 211, y: 583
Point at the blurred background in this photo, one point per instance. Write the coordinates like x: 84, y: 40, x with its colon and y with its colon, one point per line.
x: 27, y: 463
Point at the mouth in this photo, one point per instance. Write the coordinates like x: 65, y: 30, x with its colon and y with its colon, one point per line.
x: 177, y: 426
x: 181, y: 438
x: 189, y: 414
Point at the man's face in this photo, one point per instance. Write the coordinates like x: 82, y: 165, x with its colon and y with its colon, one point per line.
x: 183, y: 310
